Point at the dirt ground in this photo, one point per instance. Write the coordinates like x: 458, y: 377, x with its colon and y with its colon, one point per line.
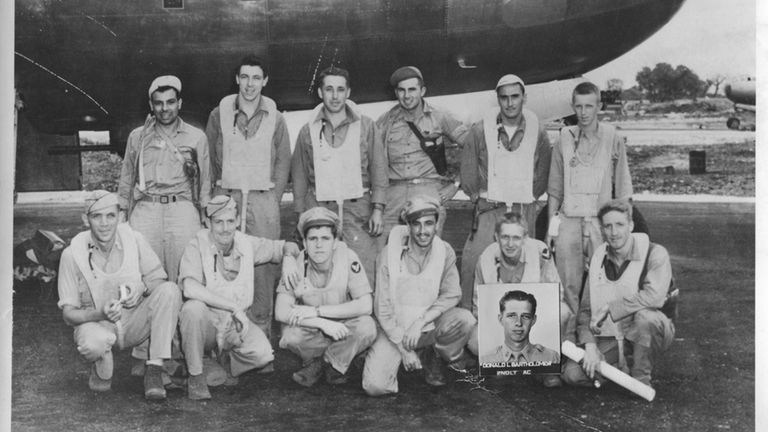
x: 705, y: 382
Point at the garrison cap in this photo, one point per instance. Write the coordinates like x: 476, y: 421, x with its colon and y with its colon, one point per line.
x: 510, y: 79
x: 99, y: 200
x: 404, y: 73
x: 218, y: 204
x: 317, y: 217
x: 420, y: 206
x: 165, y: 81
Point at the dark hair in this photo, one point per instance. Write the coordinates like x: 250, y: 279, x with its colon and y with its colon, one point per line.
x: 617, y: 206
x: 162, y: 89
x: 332, y: 71
x: 586, y: 88
x: 512, y: 218
x: 253, y: 60
x: 519, y: 296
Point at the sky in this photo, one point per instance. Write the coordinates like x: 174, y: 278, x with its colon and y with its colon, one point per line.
x: 710, y: 37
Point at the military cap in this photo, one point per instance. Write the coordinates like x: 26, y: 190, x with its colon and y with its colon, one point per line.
x: 419, y: 206
x: 165, y: 81
x: 99, y: 200
x: 317, y: 217
x: 218, y: 204
x: 510, y: 79
x: 405, y: 73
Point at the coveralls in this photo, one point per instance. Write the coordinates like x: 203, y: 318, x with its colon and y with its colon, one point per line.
x: 345, y: 283
x: 340, y: 171
x: 204, y: 328
x: 398, y: 303
x: 411, y: 171
x: 635, y: 293
x: 474, y: 182
x: 584, y: 175
x: 90, y: 280
x: 239, y: 148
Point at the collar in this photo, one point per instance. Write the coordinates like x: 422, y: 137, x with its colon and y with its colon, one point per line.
x: 236, y: 247
x: 180, y: 127
x: 520, y: 125
x: 260, y: 107
x: 351, y: 115
x: 524, y: 355
x: 399, y: 113
x: 92, y: 246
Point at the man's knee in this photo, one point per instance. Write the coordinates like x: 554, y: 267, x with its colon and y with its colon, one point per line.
x: 463, y: 319
x: 649, y: 321
x: 167, y: 293
x: 94, y: 340
x: 366, y: 328
x: 293, y: 337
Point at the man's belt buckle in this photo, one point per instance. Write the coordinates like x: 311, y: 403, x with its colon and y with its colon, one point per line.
x: 165, y: 199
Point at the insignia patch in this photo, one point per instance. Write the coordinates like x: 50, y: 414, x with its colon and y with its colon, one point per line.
x: 355, y: 267
x: 545, y: 253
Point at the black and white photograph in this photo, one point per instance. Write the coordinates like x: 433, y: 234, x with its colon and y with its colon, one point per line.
x: 519, y: 329
x: 382, y: 215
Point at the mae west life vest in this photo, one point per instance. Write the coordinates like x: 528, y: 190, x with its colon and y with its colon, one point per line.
x: 510, y: 173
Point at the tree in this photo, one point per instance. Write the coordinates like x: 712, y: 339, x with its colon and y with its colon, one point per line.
x: 716, y: 81
x: 663, y: 83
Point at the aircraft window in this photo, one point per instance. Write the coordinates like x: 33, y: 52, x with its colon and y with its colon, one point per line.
x: 173, y: 4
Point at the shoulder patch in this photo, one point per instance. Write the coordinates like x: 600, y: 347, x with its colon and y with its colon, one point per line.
x: 545, y: 253
x: 355, y: 267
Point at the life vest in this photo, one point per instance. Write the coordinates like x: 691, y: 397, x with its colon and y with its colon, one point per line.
x: 336, y: 288
x: 338, y: 171
x: 247, y: 162
x: 583, y: 179
x: 491, y: 257
x: 412, y: 294
x: 238, y: 290
x: 603, y: 291
x: 510, y: 173
x: 105, y: 287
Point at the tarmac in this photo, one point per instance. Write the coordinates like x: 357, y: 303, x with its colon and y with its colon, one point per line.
x: 706, y: 381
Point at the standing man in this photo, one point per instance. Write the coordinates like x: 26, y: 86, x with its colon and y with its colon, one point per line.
x: 327, y: 317
x: 504, y: 167
x: 250, y: 160
x: 217, y: 278
x: 165, y: 178
x: 589, y: 168
x: 417, y: 290
x: 94, y: 267
x: 340, y: 164
x: 628, y: 285
x: 414, y: 133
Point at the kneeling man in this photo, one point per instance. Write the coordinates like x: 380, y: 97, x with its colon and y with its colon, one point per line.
x: 216, y: 274
x: 417, y: 290
x: 628, y: 284
x: 91, y: 272
x: 327, y: 316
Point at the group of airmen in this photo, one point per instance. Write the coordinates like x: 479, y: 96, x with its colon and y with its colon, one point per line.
x: 191, y: 281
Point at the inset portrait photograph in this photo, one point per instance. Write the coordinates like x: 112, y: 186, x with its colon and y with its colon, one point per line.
x: 519, y: 328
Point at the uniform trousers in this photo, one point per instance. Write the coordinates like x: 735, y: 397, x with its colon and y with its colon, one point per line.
x: 575, y: 243
x: 153, y: 319
x: 649, y: 334
x: 448, y: 339
x: 251, y: 350
x: 262, y: 220
x: 310, y: 343
x: 168, y: 228
x: 477, y: 242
